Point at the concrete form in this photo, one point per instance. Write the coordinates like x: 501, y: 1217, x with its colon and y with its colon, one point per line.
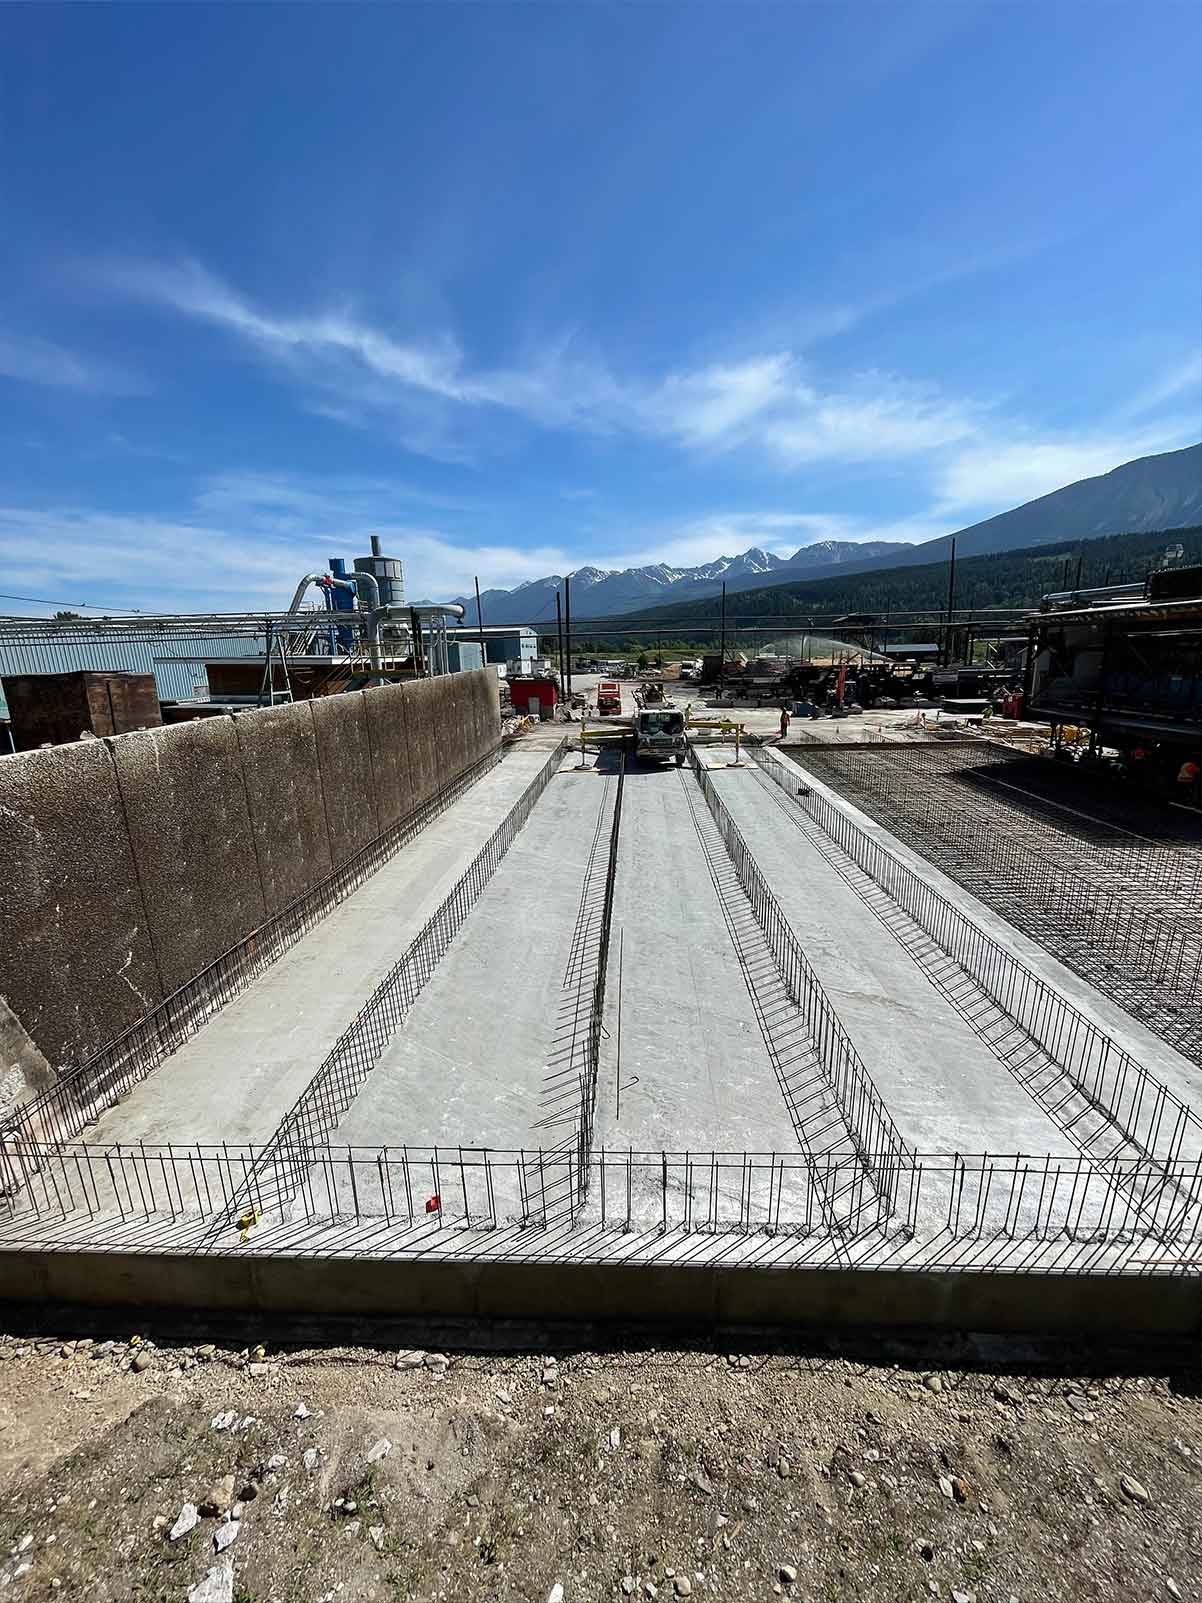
x: 706, y: 1150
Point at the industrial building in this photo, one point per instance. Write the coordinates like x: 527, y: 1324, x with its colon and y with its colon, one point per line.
x: 1125, y: 662
x: 343, y: 1004
x: 363, y: 632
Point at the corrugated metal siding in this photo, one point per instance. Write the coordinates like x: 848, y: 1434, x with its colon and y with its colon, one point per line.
x: 464, y: 655
x: 174, y: 678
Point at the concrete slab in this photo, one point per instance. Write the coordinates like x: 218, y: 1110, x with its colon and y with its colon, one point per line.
x: 479, y: 1060
x: 945, y: 1090
x: 695, y: 1071
x: 238, y: 1076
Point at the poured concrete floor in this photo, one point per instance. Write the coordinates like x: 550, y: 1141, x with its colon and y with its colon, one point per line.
x: 485, y: 1058
x: 944, y: 1088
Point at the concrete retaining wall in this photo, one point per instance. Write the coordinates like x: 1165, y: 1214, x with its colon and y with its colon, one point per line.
x: 389, y: 740
x: 130, y: 864
x: 189, y: 825
x: 76, y: 961
x: 421, y: 720
x: 284, y: 794
x: 347, y: 777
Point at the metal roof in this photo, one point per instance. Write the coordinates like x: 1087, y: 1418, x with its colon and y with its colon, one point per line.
x: 175, y: 675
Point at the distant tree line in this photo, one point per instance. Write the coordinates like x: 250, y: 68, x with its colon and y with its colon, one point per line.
x: 999, y: 579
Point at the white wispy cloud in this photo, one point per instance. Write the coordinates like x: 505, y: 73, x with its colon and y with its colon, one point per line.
x: 79, y: 554
x: 37, y: 361
x: 769, y: 401
x: 1180, y: 382
x: 999, y: 474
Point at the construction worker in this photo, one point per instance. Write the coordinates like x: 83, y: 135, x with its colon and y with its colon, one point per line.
x: 784, y: 720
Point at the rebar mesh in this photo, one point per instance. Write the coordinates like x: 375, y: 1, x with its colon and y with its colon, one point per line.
x: 1123, y: 910
x: 79, y: 1194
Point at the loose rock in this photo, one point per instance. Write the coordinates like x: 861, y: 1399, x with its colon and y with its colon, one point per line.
x: 1133, y: 1489
x: 226, y: 1535
x: 682, y: 1585
x: 187, y: 1520
x: 216, y: 1587
x: 142, y: 1360
x: 788, y: 1574
x: 555, y: 1595
x: 379, y: 1450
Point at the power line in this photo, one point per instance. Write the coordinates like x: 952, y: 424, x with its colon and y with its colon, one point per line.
x: 91, y: 606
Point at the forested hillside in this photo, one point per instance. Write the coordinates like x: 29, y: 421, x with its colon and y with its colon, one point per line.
x: 1001, y: 579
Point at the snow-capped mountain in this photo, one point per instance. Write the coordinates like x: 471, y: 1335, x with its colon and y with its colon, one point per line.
x: 602, y: 593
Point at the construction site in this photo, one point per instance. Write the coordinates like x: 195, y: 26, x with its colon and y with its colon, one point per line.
x: 345, y: 1004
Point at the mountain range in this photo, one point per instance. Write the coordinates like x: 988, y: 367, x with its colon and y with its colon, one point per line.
x: 1152, y: 492
x: 606, y: 592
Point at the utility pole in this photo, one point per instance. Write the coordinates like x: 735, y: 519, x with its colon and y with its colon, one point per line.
x: 480, y: 624
x: 722, y: 659
x: 567, y: 632
x: 951, y: 601
x: 1080, y: 560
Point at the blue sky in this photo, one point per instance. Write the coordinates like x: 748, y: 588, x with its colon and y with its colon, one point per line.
x: 526, y: 287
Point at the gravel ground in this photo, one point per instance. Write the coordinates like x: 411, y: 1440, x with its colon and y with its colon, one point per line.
x: 397, y: 1468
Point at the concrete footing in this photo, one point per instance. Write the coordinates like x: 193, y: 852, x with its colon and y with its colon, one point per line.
x: 1098, y: 1305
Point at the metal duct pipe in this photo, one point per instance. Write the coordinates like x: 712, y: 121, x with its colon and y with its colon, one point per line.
x: 364, y: 583
x: 436, y: 612
x: 1065, y: 600
x: 431, y: 608
x: 376, y: 619
x: 310, y: 578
